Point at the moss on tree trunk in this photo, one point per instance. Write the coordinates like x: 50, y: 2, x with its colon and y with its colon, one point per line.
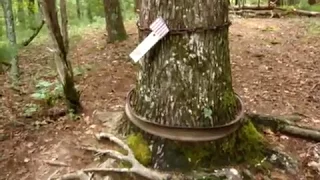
x: 185, y: 80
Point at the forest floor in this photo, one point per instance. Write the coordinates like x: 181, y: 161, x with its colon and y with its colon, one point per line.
x: 275, y: 65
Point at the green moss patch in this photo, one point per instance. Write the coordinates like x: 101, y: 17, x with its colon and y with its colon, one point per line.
x: 245, y: 145
x: 140, y: 148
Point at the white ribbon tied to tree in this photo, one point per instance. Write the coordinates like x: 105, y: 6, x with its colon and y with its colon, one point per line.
x: 159, y: 30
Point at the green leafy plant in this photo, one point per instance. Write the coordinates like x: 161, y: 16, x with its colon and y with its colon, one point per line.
x: 80, y: 70
x: 48, y: 91
x: 304, y: 5
x: 314, y: 27
x: 207, y: 113
x: 30, y: 109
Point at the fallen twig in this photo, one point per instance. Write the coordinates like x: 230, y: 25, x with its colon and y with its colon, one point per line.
x: 53, y: 174
x: 56, y: 163
x: 80, y: 175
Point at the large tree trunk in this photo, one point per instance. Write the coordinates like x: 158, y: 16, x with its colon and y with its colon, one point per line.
x: 61, y: 46
x: 114, y: 21
x: 11, y: 35
x: 185, y: 80
x: 193, y: 66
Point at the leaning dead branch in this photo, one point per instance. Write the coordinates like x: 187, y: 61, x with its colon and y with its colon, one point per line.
x: 35, y: 33
x: 136, y: 169
x: 286, y: 125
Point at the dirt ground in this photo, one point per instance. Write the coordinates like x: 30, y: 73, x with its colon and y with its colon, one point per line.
x: 275, y: 65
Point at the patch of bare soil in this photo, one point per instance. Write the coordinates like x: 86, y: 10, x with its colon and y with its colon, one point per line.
x: 275, y: 71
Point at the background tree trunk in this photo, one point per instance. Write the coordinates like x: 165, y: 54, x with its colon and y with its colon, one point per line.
x: 114, y: 21
x: 89, y: 12
x: 185, y: 80
x: 21, y: 13
x: 11, y: 35
x: 31, y: 14
x: 31, y: 7
x: 64, y: 25
x: 60, y: 45
x: 78, y: 9
x: 137, y: 4
x: 312, y: 2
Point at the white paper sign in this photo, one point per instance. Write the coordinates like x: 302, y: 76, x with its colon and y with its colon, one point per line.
x: 159, y: 30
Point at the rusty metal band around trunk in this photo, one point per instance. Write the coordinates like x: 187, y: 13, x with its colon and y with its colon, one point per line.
x: 183, y: 133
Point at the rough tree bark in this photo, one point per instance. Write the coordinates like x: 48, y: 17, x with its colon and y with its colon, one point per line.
x: 60, y: 49
x: 185, y: 80
x: 114, y: 21
x: 11, y: 35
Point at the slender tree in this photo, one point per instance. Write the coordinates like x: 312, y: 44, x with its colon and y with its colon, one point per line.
x: 78, y: 4
x: 31, y: 13
x: 114, y: 21
x: 59, y: 37
x: 185, y: 83
x: 89, y: 11
x: 137, y: 4
x: 21, y: 12
x: 11, y: 35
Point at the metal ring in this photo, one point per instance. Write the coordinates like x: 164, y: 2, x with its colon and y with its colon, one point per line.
x: 237, y: 118
x: 180, y: 133
x: 190, y: 30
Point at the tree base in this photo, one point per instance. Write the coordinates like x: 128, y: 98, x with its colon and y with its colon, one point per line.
x: 133, y: 164
x: 244, y: 145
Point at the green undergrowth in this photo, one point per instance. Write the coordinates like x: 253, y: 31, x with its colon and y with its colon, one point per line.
x: 314, y: 27
x: 303, y: 5
x: 140, y: 148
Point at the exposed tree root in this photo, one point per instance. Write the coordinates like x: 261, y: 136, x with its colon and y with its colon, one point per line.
x: 283, y: 124
x: 286, y: 125
x: 136, y: 169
